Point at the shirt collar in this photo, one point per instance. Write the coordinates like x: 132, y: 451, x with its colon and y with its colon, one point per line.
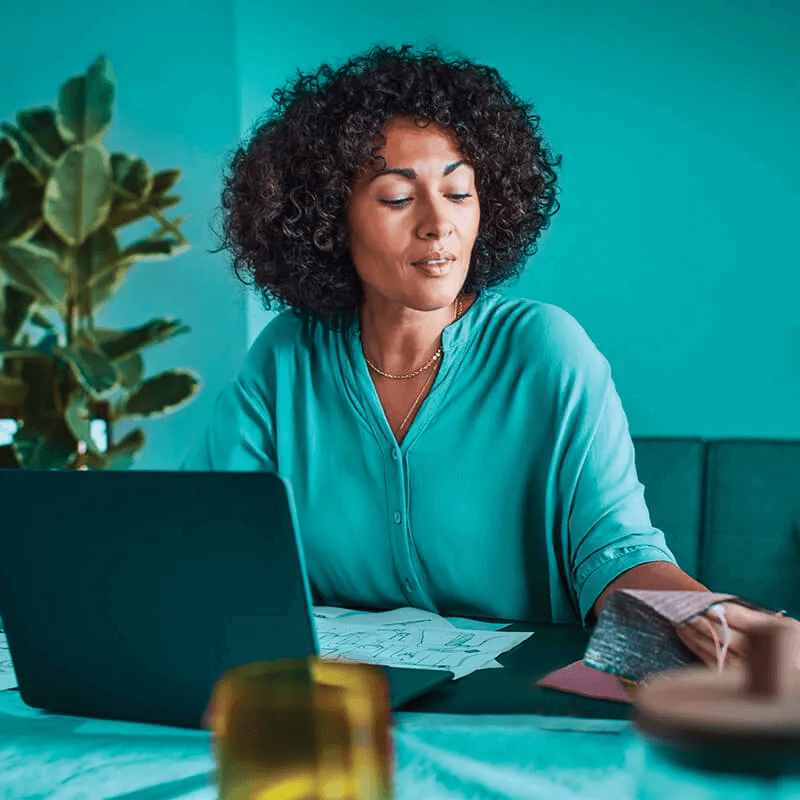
x: 457, y: 333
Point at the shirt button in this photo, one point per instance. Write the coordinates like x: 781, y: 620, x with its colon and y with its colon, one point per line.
x: 409, y: 585
x: 398, y: 517
x: 395, y: 453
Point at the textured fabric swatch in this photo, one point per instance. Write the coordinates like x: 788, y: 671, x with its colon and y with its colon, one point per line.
x: 635, y: 635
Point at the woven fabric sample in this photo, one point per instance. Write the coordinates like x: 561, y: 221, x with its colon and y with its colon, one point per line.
x: 635, y: 635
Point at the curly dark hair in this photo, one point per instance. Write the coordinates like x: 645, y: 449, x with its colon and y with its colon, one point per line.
x: 283, y: 205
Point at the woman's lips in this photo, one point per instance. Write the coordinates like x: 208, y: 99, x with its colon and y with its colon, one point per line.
x: 435, y: 270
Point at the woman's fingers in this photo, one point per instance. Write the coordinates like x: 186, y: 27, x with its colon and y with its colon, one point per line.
x: 701, y: 646
x: 705, y: 635
x: 711, y: 625
x: 701, y: 642
x: 744, y: 619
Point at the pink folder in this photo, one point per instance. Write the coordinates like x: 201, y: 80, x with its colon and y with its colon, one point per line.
x: 577, y: 678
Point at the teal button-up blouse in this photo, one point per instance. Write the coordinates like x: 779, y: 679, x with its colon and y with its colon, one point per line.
x: 513, y: 495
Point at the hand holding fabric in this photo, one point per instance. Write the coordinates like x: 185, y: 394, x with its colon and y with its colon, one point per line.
x: 706, y: 635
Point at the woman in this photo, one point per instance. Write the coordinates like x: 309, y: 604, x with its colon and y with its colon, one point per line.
x: 447, y: 448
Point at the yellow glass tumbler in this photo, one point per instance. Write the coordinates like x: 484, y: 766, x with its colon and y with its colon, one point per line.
x: 303, y: 729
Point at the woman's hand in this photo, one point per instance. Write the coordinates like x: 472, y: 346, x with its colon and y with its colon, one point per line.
x: 699, y: 634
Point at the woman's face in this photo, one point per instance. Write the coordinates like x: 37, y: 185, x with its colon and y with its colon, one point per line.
x: 422, y: 205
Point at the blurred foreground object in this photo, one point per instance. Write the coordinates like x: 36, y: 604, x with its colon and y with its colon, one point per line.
x: 303, y: 729
x: 710, y: 735
x: 63, y: 199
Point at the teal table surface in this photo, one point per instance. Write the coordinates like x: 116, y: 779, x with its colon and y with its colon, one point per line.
x: 492, y: 735
x: 436, y: 756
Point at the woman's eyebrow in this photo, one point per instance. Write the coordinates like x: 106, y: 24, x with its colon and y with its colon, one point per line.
x: 409, y: 173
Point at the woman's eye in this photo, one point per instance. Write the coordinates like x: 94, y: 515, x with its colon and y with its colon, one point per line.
x: 400, y: 202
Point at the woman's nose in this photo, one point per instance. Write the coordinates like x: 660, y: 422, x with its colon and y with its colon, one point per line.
x: 434, y: 220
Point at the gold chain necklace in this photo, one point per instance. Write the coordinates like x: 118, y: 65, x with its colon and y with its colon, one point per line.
x: 435, y: 357
x: 416, y: 400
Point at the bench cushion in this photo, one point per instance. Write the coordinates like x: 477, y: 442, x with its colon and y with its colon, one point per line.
x: 751, y: 545
x: 671, y: 471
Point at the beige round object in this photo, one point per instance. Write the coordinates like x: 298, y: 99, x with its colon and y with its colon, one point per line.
x: 698, y: 705
x: 744, y: 720
x: 774, y: 663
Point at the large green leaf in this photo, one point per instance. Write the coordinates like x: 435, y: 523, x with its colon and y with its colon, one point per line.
x: 130, y: 369
x: 154, y: 248
x: 16, y: 308
x: 41, y: 321
x: 35, y: 270
x: 119, y: 456
x: 78, y: 195
x: 45, y: 237
x: 17, y: 223
x: 125, y: 213
x: 99, y: 249
x: 108, y: 285
x: 6, y: 154
x: 21, y: 206
x: 93, y: 257
x: 49, y: 383
x: 17, y: 276
x: 14, y: 351
x: 164, y: 201
x: 20, y: 184
x: 50, y: 447
x: 165, y: 180
x: 86, y: 104
x: 12, y: 390
x: 135, y: 339
x: 119, y: 265
x: 30, y: 156
x: 91, y: 366
x: 78, y: 419
x: 162, y: 393
x: 40, y: 126
x: 131, y: 174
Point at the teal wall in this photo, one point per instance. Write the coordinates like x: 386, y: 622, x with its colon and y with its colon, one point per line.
x: 177, y: 107
x: 675, y: 246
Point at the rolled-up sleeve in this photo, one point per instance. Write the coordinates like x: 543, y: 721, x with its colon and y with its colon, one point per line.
x: 609, y: 524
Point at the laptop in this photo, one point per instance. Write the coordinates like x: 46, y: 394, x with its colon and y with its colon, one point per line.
x: 125, y: 595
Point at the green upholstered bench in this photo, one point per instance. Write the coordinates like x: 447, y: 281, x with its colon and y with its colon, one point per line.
x: 730, y: 509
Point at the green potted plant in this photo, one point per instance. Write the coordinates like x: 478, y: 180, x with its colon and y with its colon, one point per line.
x: 64, y: 197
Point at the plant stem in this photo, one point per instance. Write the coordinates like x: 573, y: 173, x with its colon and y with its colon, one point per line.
x: 69, y: 322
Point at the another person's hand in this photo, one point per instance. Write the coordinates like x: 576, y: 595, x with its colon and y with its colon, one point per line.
x: 699, y: 634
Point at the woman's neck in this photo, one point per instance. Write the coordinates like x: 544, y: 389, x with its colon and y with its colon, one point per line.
x: 398, y: 339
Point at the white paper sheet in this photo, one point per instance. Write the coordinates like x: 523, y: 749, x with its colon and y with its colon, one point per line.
x: 406, y: 617
x: 409, y: 637
x: 8, y: 679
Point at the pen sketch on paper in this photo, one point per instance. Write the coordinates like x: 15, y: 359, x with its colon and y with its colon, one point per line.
x: 409, y: 638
